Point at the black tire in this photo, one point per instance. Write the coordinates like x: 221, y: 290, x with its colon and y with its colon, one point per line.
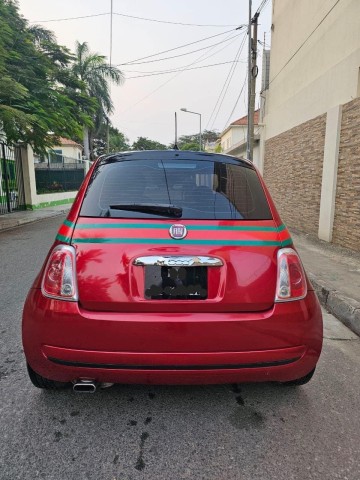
x: 299, y: 381
x: 44, y: 383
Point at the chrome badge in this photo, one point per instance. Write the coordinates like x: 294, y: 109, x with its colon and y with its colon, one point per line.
x: 177, y: 231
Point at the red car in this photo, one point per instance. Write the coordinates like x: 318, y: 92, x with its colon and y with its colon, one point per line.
x: 172, y: 267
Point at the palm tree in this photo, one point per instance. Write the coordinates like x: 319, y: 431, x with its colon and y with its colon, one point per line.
x: 96, y: 75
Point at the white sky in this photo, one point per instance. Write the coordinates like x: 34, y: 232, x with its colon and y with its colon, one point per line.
x: 146, y: 106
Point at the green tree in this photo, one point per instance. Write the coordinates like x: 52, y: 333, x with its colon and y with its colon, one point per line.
x: 144, y: 143
x: 190, y: 146
x: 206, y: 136
x: 118, y: 142
x: 96, y: 76
x: 218, y: 148
x: 39, y: 96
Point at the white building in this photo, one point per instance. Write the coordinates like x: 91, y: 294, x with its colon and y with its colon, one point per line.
x: 234, y: 138
x: 67, y: 152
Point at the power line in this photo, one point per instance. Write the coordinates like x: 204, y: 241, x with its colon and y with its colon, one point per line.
x: 261, y: 6
x: 135, y: 62
x: 227, y: 82
x: 177, y: 48
x: 136, y: 18
x: 307, y: 38
x: 173, y: 23
x: 202, y: 57
x: 237, y: 100
x: 195, y: 62
x: 180, y: 70
x: 70, y: 18
x: 198, y: 60
x: 176, y: 56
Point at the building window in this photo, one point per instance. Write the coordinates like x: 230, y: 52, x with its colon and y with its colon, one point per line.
x: 55, y: 156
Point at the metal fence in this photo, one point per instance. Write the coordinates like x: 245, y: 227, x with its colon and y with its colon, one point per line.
x: 12, y: 195
x: 58, y: 173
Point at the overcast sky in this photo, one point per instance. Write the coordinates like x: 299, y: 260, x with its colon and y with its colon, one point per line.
x: 145, y: 106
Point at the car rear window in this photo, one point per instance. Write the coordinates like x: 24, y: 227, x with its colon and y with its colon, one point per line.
x: 202, y: 189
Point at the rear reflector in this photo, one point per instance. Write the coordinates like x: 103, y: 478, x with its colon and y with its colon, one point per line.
x: 291, y: 280
x: 59, y: 280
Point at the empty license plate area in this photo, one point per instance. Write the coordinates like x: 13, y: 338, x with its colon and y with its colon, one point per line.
x: 175, y: 283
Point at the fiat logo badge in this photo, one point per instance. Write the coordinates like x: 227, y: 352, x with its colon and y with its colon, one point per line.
x: 177, y: 231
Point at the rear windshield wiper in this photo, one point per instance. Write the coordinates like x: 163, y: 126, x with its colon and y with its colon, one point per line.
x: 165, y: 210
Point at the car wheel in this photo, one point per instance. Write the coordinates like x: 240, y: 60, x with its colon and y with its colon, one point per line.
x: 41, y: 382
x: 299, y: 381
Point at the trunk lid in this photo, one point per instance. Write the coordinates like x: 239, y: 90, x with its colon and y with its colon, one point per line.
x: 111, y: 278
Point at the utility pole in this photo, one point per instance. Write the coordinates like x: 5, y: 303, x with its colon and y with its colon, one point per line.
x: 110, y: 61
x: 249, y: 83
x: 252, y: 74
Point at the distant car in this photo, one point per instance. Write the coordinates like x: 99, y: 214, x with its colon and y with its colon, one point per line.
x: 172, y: 267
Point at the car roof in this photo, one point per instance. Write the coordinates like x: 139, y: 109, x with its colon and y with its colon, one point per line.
x: 173, y: 155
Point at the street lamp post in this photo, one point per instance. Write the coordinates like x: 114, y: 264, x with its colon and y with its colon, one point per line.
x: 195, y: 113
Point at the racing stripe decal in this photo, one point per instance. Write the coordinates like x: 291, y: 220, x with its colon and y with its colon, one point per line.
x: 227, y: 233
x: 65, y: 232
x: 238, y: 243
x: 189, y: 227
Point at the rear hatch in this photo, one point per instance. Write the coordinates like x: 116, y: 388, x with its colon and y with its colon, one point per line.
x: 176, y: 232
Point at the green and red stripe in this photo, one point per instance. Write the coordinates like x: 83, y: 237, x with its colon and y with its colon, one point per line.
x: 225, y: 233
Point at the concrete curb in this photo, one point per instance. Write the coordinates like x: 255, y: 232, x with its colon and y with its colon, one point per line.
x: 346, y: 309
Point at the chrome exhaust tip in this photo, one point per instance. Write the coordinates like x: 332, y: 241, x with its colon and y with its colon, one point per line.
x: 84, y: 386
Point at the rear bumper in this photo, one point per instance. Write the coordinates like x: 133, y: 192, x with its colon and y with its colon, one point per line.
x: 64, y: 343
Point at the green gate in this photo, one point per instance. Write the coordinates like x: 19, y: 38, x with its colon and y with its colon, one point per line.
x: 12, y: 195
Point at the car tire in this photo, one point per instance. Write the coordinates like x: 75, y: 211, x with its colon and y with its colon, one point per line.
x: 299, y: 381
x: 44, y: 383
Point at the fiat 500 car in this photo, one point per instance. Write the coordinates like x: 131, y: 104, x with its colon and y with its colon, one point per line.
x: 171, y: 268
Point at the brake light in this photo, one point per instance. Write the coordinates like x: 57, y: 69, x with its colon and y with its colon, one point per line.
x: 291, y: 281
x: 59, y: 280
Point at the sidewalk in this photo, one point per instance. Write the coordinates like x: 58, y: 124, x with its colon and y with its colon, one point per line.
x: 15, y: 219
x: 335, y: 275
x: 333, y: 271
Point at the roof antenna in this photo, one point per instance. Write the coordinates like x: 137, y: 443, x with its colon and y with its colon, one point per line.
x: 175, y: 144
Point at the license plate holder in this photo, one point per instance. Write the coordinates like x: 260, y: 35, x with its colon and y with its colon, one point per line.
x: 175, y: 283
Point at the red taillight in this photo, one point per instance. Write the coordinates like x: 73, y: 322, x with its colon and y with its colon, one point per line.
x: 291, y: 280
x: 59, y: 280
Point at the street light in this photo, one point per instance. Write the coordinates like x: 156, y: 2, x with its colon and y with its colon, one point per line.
x: 195, y: 113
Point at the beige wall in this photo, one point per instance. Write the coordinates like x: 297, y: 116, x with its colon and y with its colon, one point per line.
x: 32, y: 198
x: 323, y: 73
x: 70, y: 151
x: 233, y: 142
x: 235, y: 134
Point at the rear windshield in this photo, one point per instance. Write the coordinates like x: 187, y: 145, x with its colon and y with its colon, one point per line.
x: 197, y: 189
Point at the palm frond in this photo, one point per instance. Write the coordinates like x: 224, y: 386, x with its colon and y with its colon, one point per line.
x: 42, y: 34
x: 92, y: 69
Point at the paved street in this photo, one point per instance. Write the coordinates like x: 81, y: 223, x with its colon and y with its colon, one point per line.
x: 135, y: 432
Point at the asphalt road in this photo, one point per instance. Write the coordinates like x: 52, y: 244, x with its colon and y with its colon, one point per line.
x: 135, y: 432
